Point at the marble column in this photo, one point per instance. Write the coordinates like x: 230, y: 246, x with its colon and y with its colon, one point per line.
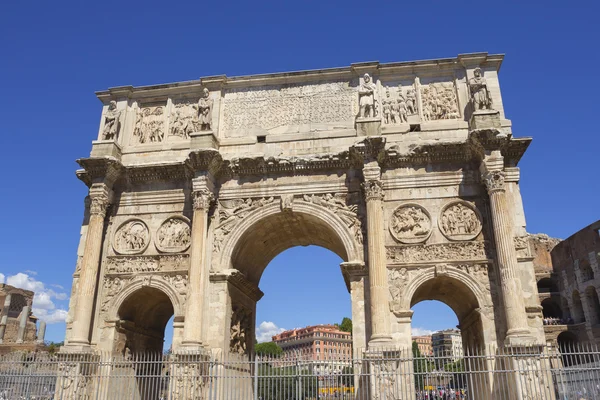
x: 23, y: 325
x: 493, y: 176
x: 7, y: 301
x: 378, y: 280
x: 90, y: 264
x: 41, y: 333
x: 198, y: 273
x: 3, y: 323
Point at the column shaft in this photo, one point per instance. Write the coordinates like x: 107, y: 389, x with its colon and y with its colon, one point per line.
x: 23, y: 325
x: 378, y: 281
x: 198, y: 275
x: 89, y: 268
x: 3, y: 322
x: 512, y: 294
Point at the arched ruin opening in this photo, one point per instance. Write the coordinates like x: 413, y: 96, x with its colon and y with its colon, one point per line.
x: 551, y: 309
x: 547, y: 285
x: 587, y: 273
x: 577, y: 312
x: 568, y: 345
x: 143, y: 317
x: 593, y: 304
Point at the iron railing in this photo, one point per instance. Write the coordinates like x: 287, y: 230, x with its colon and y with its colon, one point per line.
x: 535, y: 372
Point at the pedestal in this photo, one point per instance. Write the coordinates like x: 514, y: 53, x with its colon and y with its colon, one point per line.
x: 189, y: 376
x: 368, y: 126
x: 391, y: 374
x: 204, y: 140
x: 485, y: 119
x: 106, y: 148
x: 77, y: 374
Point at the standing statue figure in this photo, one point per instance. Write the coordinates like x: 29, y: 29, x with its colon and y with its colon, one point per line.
x: 386, y: 106
x: 366, y: 98
x: 411, y: 101
x: 480, y: 95
x: 205, y: 105
x: 111, y: 122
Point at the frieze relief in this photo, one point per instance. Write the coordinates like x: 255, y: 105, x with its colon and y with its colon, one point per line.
x: 132, y: 237
x: 231, y: 212
x: 149, y: 125
x: 277, y: 106
x: 338, y: 204
x: 410, y: 223
x: 522, y: 246
x: 460, y: 221
x: 439, y: 101
x: 183, y: 119
x: 113, y: 285
x: 437, y: 252
x: 137, y: 264
x: 173, y: 236
x: 398, y: 104
x: 241, y: 330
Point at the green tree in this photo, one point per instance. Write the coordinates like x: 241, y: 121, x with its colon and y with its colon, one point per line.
x: 345, y: 326
x: 52, y: 347
x: 268, y: 349
x: 420, y: 365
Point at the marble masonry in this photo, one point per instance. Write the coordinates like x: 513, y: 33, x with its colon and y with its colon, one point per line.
x: 408, y: 171
x: 18, y: 325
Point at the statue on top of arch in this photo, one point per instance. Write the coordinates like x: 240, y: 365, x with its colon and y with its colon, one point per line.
x: 480, y: 95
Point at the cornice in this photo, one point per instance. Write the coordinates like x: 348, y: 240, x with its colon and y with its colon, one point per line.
x: 347, y: 72
x: 99, y: 170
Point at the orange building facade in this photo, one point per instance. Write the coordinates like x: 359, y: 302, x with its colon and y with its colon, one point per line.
x: 317, y: 342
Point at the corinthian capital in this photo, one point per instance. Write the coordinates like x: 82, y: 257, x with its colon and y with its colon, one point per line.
x: 202, y: 199
x: 373, y: 190
x: 99, y: 204
x: 494, y: 180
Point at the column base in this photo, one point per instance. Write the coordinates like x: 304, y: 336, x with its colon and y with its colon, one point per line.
x: 80, y: 348
x: 380, y: 341
x: 520, y: 337
x: 188, y: 347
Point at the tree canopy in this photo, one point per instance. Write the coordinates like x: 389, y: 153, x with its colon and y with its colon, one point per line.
x: 345, y: 326
x: 268, y: 349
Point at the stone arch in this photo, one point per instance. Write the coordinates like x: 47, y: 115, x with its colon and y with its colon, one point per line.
x: 577, y: 311
x: 547, y: 285
x: 306, y: 224
x: 551, y: 308
x: 465, y: 295
x: 140, y: 313
x: 587, y: 273
x: 593, y: 304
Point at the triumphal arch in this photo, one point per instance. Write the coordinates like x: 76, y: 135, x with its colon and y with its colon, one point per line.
x: 408, y: 171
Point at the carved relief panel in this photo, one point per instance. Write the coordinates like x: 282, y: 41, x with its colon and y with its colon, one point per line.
x: 410, y: 223
x: 399, y: 102
x: 241, y: 330
x: 173, y: 236
x: 183, y: 118
x: 150, y: 123
x: 132, y: 237
x: 439, y: 101
x: 460, y: 221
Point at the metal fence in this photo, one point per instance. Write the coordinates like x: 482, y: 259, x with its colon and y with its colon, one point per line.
x: 383, y: 374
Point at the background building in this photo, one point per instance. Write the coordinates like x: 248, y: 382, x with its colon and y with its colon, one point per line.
x: 448, y: 344
x: 424, y: 344
x: 18, y: 329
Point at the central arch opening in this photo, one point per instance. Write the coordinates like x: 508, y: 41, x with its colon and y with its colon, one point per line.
x: 294, y: 257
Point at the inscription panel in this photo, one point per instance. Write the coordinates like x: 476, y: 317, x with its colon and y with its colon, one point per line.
x: 289, y: 108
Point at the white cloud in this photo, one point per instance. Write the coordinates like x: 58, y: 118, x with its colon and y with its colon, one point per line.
x: 30, y: 272
x: 266, y: 330
x: 44, y: 306
x: 416, y: 331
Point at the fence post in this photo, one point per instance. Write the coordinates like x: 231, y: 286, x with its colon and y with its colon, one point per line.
x: 255, y: 377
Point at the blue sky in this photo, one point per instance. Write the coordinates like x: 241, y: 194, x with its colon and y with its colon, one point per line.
x: 56, y: 54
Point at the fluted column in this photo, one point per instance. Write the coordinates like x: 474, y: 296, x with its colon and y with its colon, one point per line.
x: 378, y: 281
x: 198, y: 274
x: 512, y: 293
x: 84, y: 307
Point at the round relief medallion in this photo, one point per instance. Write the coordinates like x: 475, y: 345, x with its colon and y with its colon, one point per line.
x: 460, y: 221
x: 174, y: 235
x: 132, y: 237
x: 410, y: 223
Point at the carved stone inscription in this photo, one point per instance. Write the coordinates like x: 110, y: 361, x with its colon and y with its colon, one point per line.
x: 132, y: 237
x: 460, y: 221
x: 270, y: 107
x: 149, y: 125
x: 437, y: 252
x: 410, y: 223
x: 439, y: 101
x: 173, y: 236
